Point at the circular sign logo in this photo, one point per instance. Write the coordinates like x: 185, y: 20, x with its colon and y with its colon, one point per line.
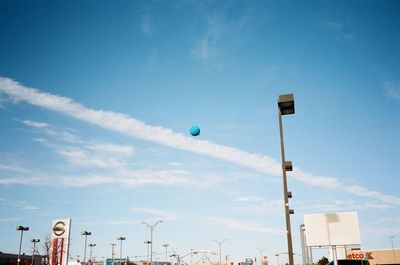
x: 59, y: 228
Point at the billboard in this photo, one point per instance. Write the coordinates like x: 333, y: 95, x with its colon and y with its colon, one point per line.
x: 337, y: 229
x: 60, y: 234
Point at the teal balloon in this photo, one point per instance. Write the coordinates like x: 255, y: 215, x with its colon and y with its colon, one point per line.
x: 194, y: 130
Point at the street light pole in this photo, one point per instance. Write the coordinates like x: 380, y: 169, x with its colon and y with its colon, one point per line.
x: 120, y: 251
x: 22, y: 229
x: 286, y: 106
x: 86, y: 234
x: 34, y: 241
x: 112, y: 253
x: 151, y: 228
x: 147, y: 242
x: 166, y: 253
x: 261, y: 255
x: 220, y: 244
x: 394, y: 253
x: 91, y: 251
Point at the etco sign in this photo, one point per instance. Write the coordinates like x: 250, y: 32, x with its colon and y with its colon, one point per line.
x: 366, y: 255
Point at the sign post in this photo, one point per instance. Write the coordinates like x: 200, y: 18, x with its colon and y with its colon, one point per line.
x: 60, y: 234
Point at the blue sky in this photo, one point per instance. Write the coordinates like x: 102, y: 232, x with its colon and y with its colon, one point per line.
x: 97, y: 98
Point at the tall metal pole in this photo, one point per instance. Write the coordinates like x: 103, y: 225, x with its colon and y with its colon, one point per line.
x: 86, y: 234
x: 112, y: 253
x: 311, y: 260
x: 91, y: 251
x: 285, y: 194
x: 84, y: 253
x: 303, y: 244
x: 120, y: 251
x: 151, y: 228
x: 220, y: 244
x: 22, y: 229
x: 120, y: 254
x: 33, y: 252
x: 34, y: 241
x: 151, y: 246
x: 20, y: 245
x: 261, y: 255
x: 166, y: 252
x: 394, y: 253
x: 148, y: 245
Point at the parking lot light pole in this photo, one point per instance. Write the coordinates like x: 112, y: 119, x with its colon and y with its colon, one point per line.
x: 261, y: 254
x: 151, y: 228
x: 112, y: 253
x: 220, y: 244
x: 86, y: 234
x: 394, y: 255
x: 286, y: 107
x: 34, y: 241
x: 91, y: 251
x: 166, y: 252
x: 22, y: 229
x: 120, y: 251
x: 147, y: 242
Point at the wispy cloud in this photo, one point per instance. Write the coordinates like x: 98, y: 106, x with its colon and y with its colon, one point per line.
x: 82, y: 153
x: 35, y: 124
x: 340, y: 205
x: 204, y: 49
x: 249, y: 199
x: 108, y: 148
x: 391, y: 220
x: 221, y: 36
x: 81, y: 157
x: 381, y: 231
x: 392, y: 89
x: 23, y: 205
x: 124, y: 178
x: 365, y: 192
x: 113, y: 222
x: 311, y: 179
x: 13, y: 167
x: 146, y: 24
x: 10, y: 219
x: 61, y: 134
x: 240, y: 225
x: 124, y: 124
x: 259, y: 205
x: 158, y: 214
x: 341, y: 26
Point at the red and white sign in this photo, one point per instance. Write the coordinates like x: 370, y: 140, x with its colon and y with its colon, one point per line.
x: 60, y: 234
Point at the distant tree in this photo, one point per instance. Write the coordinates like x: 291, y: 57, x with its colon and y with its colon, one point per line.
x: 323, y: 261
x: 47, y: 249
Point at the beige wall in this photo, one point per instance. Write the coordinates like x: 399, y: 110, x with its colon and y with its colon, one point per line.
x: 377, y: 256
